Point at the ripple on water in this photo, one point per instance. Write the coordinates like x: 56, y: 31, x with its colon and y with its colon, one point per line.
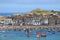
x: 21, y: 35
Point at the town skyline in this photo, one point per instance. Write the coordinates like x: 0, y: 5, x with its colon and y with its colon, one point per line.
x: 34, y: 18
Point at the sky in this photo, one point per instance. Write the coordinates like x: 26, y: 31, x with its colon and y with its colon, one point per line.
x: 12, y: 6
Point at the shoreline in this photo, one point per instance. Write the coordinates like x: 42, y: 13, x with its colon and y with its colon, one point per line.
x: 28, y: 27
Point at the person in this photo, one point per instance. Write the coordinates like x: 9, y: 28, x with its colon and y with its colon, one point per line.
x: 28, y: 34
x: 38, y: 34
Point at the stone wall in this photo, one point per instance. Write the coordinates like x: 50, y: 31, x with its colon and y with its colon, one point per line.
x: 20, y: 27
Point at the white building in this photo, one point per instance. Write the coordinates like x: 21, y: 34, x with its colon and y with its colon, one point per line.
x: 2, y: 20
x: 36, y: 22
x: 8, y: 21
x: 32, y: 19
x: 45, y: 20
x: 17, y: 20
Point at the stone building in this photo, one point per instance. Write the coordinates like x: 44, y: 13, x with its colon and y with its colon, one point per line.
x: 8, y: 20
x: 32, y: 19
x: 17, y: 19
x: 53, y: 19
x: 2, y: 20
x: 45, y: 20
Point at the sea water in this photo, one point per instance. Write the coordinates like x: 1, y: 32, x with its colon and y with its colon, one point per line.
x: 22, y: 35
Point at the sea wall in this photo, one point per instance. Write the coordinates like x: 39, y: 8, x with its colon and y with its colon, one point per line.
x: 21, y: 27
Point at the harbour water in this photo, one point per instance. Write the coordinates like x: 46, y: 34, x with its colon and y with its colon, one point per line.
x: 22, y: 35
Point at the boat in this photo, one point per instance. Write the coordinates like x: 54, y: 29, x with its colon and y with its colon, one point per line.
x: 43, y: 35
x: 59, y: 30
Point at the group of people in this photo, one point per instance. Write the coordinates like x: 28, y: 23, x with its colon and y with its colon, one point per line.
x: 38, y: 34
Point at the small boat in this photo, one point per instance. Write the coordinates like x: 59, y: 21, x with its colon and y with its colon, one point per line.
x: 49, y: 31
x: 9, y: 29
x: 53, y: 31
x: 14, y: 29
x: 43, y: 35
x: 19, y: 30
x: 59, y: 30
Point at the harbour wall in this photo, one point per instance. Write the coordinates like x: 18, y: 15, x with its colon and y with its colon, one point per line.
x: 21, y: 27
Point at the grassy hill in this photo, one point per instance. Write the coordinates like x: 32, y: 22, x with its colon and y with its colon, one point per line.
x: 40, y: 11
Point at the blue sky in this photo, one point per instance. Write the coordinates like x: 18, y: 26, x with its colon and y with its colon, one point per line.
x: 11, y: 6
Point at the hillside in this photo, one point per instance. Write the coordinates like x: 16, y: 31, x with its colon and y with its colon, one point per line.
x: 40, y: 11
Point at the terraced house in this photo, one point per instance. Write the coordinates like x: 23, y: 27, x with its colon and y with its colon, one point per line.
x: 17, y: 19
x: 2, y: 20
x: 8, y: 20
x: 34, y: 18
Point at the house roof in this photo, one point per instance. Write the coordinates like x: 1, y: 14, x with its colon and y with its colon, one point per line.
x: 16, y: 14
x: 2, y: 17
x: 58, y: 18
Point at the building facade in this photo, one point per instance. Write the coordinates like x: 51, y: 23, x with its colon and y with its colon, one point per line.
x: 30, y: 19
x: 17, y: 20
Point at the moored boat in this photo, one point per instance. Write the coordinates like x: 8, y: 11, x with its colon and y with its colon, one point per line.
x: 43, y: 35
